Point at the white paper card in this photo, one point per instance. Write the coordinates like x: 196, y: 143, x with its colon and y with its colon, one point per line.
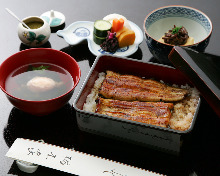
x: 70, y: 161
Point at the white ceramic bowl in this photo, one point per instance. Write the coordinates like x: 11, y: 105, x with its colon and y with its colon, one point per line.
x: 34, y: 37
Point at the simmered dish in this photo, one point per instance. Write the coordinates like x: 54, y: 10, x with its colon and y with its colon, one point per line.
x: 39, y: 81
x: 177, y: 36
x: 143, y: 100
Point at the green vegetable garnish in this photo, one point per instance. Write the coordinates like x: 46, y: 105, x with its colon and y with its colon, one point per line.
x: 42, y: 67
x: 176, y: 30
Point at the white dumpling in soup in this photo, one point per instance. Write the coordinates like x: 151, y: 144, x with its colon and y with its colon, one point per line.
x: 41, y: 84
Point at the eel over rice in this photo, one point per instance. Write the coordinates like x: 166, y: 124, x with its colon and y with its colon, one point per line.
x: 154, y: 113
x: 133, y: 88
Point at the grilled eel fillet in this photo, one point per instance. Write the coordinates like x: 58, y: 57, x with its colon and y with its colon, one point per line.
x: 132, y: 88
x: 154, y: 113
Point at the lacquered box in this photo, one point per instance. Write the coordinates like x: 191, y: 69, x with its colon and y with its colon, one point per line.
x: 203, y: 70
x: 165, y: 139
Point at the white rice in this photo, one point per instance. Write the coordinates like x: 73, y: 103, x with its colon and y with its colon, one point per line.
x: 90, y: 104
x: 182, y: 114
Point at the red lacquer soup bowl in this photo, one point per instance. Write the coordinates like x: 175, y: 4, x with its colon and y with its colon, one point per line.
x: 31, y: 57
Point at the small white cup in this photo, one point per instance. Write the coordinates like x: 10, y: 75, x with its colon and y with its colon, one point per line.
x: 26, y: 167
x: 34, y: 37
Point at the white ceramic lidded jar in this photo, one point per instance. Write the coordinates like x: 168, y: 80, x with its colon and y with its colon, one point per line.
x: 37, y: 35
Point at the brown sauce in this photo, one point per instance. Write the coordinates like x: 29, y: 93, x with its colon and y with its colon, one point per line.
x: 35, y: 24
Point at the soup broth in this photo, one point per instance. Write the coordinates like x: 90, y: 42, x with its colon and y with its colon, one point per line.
x: 39, y: 81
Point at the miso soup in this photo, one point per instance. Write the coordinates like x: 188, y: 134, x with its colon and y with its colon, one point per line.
x: 39, y: 81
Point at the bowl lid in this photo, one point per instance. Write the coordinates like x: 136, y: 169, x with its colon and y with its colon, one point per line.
x: 53, y: 18
x: 203, y: 71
